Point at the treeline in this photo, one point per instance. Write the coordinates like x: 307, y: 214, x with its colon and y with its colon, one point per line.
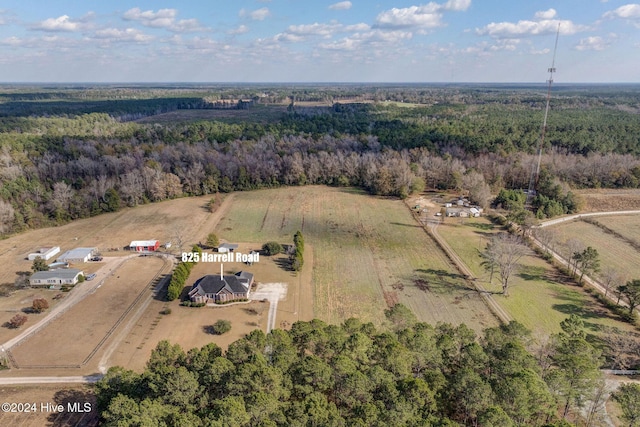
x: 81, y: 178
x: 357, y: 375
x: 58, y: 168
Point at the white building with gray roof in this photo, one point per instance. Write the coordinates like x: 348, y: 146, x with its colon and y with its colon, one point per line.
x: 54, y: 279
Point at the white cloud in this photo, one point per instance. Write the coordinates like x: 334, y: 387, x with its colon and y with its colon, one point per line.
x: 628, y: 11
x: 126, y: 35
x: 242, y: 29
x: 375, y: 38
x: 299, y: 33
x: 546, y: 14
x: 316, y: 29
x: 543, y: 24
x: 61, y: 23
x: 12, y: 41
x: 163, y: 18
x: 592, y: 43
x: 257, y: 15
x: 343, y: 5
x: 596, y: 43
x: 457, y: 5
x: 414, y: 16
x: 425, y: 16
x: 544, y: 51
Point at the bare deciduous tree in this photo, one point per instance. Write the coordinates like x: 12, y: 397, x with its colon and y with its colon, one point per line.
x: 611, y: 278
x: 573, y: 246
x: 620, y: 347
x: 505, y: 251
x: 7, y: 215
x: 61, y: 198
x: 545, y: 237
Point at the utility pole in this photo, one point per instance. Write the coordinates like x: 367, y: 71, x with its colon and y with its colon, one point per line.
x: 535, y: 168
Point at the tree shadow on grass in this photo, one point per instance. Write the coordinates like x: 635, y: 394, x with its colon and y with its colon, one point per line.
x: 530, y: 272
x: 439, y: 282
x: 481, y: 226
x: 283, y: 263
x: 584, y: 307
x: 405, y: 225
x: 80, y: 409
x: 440, y: 273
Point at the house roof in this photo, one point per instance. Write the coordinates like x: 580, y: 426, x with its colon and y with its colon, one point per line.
x: 77, y: 253
x: 135, y: 243
x: 55, y: 274
x: 244, y: 276
x: 214, y: 284
x: 228, y: 246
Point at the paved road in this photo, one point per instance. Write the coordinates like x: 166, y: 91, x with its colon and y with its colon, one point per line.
x: 79, y: 292
x: 273, y: 292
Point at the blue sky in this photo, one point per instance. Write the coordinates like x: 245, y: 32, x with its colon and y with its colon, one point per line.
x: 318, y: 41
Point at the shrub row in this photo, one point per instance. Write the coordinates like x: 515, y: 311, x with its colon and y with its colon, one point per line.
x: 297, y: 259
x: 180, y: 276
x: 192, y: 304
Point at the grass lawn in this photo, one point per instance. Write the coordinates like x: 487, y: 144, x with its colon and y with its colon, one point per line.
x: 368, y: 253
x: 540, y: 298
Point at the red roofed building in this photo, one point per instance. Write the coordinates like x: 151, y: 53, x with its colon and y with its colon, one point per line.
x: 144, y: 245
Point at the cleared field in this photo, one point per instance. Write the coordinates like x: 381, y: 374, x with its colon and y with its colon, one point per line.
x: 188, y: 217
x: 76, y: 336
x: 55, y: 395
x: 613, y: 251
x: 603, y: 200
x: 368, y: 253
x: 539, y: 298
x: 628, y: 226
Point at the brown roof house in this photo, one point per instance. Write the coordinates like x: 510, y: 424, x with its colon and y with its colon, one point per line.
x: 221, y: 289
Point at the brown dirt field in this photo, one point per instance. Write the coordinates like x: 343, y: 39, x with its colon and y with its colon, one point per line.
x: 157, y: 220
x: 604, y: 200
x: 72, y: 337
x: 153, y: 327
x: 43, y: 394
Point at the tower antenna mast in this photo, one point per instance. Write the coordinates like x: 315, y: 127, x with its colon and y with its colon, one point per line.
x: 535, y: 168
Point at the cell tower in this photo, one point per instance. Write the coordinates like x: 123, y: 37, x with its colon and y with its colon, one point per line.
x: 535, y: 168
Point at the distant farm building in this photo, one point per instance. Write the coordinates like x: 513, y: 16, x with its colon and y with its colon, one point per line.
x: 55, y: 279
x: 44, y: 253
x: 77, y: 255
x: 227, y: 247
x: 462, y: 212
x: 214, y: 288
x: 144, y: 245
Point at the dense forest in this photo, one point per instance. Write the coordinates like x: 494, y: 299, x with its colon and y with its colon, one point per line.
x: 73, y: 152
x: 412, y: 374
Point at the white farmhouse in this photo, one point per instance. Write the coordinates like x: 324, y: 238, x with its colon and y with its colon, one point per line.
x: 54, y: 279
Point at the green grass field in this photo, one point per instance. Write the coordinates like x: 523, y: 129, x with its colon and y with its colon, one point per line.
x: 613, y: 251
x: 368, y: 253
x: 626, y: 225
x: 540, y: 298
